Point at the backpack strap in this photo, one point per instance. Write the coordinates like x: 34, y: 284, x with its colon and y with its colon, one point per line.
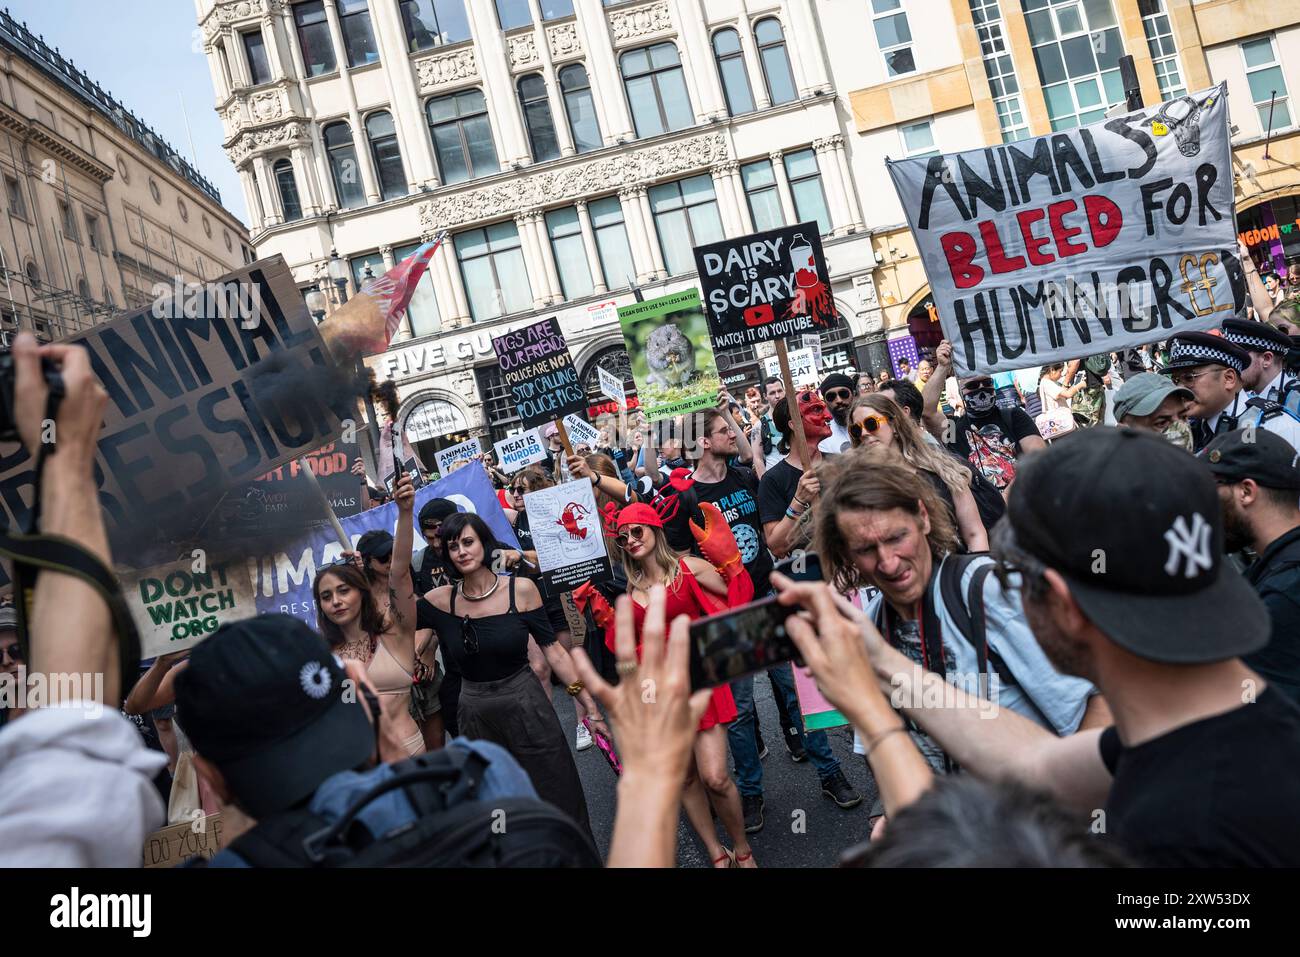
x: 968, y: 613
x: 277, y: 841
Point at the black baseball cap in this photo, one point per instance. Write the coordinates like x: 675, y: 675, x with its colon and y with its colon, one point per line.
x: 1252, y: 453
x: 1132, y: 522
x: 436, y: 509
x: 376, y: 543
x: 265, y: 701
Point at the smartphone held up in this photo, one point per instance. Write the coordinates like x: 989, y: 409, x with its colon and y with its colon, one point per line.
x: 739, y: 642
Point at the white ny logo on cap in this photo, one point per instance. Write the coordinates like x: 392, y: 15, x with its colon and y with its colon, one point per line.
x: 1190, y: 544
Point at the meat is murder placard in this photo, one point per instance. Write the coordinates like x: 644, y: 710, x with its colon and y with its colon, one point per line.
x: 766, y: 286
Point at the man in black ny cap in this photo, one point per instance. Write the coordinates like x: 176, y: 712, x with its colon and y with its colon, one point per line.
x: 277, y: 724
x: 267, y: 710
x: 838, y: 392
x: 1266, y: 376
x: 1259, y: 492
x: 1115, y: 539
x: 1211, y: 368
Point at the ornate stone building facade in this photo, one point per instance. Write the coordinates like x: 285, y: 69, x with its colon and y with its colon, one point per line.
x: 576, y: 149
x: 98, y: 207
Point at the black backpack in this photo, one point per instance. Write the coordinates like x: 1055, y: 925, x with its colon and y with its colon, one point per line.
x: 967, y: 610
x: 453, y: 827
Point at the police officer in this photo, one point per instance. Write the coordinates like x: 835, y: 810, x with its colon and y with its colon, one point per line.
x: 1266, y: 376
x: 1258, y: 480
x: 1211, y: 368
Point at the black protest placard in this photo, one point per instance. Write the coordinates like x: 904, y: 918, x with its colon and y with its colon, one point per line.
x: 537, y: 368
x: 209, y: 387
x: 283, y: 501
x: 766, y: 286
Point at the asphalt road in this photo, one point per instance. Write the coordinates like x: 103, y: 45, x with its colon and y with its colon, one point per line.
x: 802, y: 828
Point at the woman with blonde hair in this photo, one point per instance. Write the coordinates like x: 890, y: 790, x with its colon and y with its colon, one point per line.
x: 877, y: 421
x: 696, y: 589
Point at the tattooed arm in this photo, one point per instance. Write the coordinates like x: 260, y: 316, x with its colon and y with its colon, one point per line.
x: 401, y: 590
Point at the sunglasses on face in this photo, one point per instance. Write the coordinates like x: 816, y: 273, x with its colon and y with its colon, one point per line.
x: 518, y: 489
x: 13, y: 653
x: 629, y: 532
x: 868, y: 426
x: 840, y: 393
x: 983, y: 385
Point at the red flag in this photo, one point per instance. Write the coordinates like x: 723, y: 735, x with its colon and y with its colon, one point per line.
x: 365, y: 325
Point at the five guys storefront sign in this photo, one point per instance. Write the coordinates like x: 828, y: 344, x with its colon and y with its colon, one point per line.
x: 1080, y: 242
x: 198, y: 403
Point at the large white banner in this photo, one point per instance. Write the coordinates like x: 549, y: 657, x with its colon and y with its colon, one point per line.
x: 1081, y: 242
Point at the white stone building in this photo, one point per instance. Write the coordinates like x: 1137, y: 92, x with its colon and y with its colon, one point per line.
x: 571, y: 147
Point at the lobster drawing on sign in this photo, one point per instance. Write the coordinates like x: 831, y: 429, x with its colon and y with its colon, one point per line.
x: 569, y: 518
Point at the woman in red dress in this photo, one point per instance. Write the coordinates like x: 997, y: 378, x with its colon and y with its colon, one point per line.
x: 694, y: 588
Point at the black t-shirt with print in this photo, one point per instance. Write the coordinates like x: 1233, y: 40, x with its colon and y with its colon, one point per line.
x: 1220, y: 792
x: 776, y: 491
x: 990, y: 442
x: 736, y: 496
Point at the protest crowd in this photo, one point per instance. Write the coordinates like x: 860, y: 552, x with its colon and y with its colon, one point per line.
x: 1058, y: 605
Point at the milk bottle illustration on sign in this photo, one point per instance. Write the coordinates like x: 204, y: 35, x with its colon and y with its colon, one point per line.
x: 801, y: 259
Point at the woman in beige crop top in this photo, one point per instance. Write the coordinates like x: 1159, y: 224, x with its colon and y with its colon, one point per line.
x: 381, y: 637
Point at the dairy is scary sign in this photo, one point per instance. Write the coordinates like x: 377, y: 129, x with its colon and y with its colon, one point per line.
x: 766, y: 286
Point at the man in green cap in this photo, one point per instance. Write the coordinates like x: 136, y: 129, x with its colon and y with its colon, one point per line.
x: 1152, y: 403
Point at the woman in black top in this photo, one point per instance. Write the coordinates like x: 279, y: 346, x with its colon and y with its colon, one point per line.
x: 484, y: 623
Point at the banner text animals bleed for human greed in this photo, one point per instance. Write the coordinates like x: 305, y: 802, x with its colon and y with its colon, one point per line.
x: 1082, y: 241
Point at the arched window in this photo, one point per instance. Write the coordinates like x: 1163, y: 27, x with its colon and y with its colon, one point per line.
x: 580, y: 107
x: 775, y: 60
x: 343, y: 165
x: 537, y: 118
x: 731, y: 70
x: 462, y: 136
x: 386, y: 154
x: 33, y: 274
x: 656, y: 89
x: 284, y: 181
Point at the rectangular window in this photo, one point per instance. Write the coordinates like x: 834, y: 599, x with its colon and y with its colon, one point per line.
x: 259, y: 65
x: 314, y: 38
x: 611, y: 241
x: 68, y: 221
x: 1077, y: 47
x: 1160, y: 43
x: 423, y: 312
x: 565, y: 231
x: 92, y: 231
x: 893, y: 36
x: 656, y: 89
x: 1000, y: 70
x: 1267, y: 84
x: 432, y: 23
x: 806, y: 189
x: 494, y: 272
x: 556, y: 9
x: 918, y: 139
x: 761, y: 193
x: 686, y: 215
x: 358, y: 34
x: 14, y: 192
x: 513, y: 13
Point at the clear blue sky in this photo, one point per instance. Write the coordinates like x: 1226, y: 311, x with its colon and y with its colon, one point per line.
x: 147, y: 54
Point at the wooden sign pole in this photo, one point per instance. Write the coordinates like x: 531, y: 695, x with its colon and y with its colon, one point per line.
x: 792, y: 403
x: 325, y: 504
x: 564, y: 437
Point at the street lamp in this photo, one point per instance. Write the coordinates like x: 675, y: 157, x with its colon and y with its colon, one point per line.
x: 316, y: 304
x: 338, y: 270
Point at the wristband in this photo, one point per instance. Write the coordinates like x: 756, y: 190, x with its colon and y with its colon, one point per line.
x: 874, y: 742
x: 792, y: 514
x: 803, y: 506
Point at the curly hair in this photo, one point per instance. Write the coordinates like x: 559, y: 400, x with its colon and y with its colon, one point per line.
x: 873, y: 480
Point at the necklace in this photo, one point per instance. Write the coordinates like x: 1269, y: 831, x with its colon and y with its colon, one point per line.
x: 468, y: 597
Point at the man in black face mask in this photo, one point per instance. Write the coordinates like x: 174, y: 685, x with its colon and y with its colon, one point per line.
x: 991, y: 439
